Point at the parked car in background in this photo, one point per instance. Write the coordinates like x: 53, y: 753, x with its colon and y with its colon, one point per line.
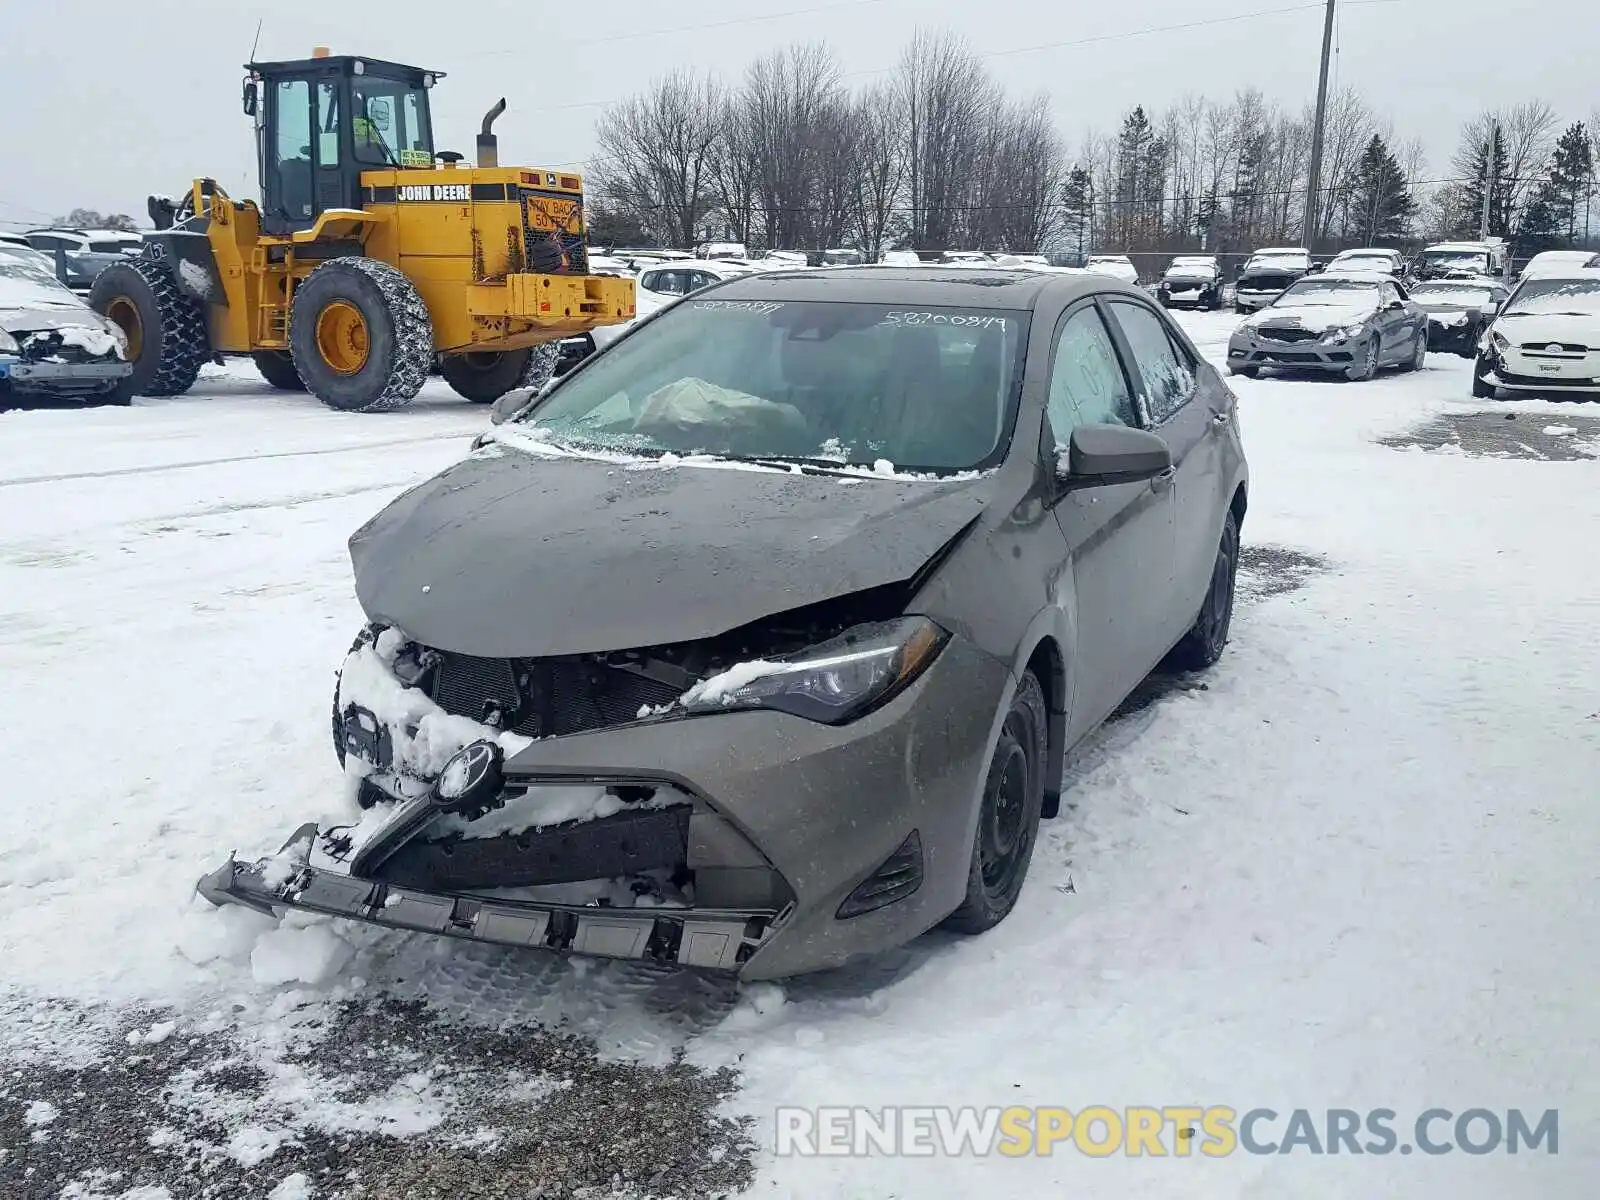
x: 1263, y: 279
x: 52, y: 344
x: 1351, y: 323
x: 1558, y: 262
x: 659, y: 284
x: 1370, y: 258
x: 1459, y: 310
x: 1462, y: 259
x: 1113, y: 266
x: 877, y: 619
x: 843, y: 256
x: 721, y: 250
x: 901, y: 258
x: 80, y: 255
x: 965, y: 257
x: 1191, y: 283
x: 15, y: 239
x: 1546, y: 338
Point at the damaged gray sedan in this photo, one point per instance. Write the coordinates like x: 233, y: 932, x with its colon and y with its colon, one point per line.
x: 758, y: 642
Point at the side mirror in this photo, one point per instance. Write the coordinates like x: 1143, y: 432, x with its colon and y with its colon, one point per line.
x: 1104, y: 455
x: 512, y: 404
x: 1396, y: 306
x: 249, y: 97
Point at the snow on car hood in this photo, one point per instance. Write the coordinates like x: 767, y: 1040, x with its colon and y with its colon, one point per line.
x: 509, y: 555
x: 1317, y: 317
x: 1534, y: 328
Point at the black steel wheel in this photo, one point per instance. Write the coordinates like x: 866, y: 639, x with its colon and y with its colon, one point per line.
x: 1482, y: 389
x: 1203, y: 645
x: 1008, y: 814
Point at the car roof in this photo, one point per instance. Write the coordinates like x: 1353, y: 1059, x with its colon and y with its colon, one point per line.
x: 1010, y: 288
x: 1367, y: 252
x: 1458, y: 246
x: 1355, y: 276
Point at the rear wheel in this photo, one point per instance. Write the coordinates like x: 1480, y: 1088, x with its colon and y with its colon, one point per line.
x: 360, y: 335
x: 277, y: 368
x: 1202, y: 646
x: 165, y: 328
x: 1008, y: 815
x: 484, y: 376
x: 1419, y: 354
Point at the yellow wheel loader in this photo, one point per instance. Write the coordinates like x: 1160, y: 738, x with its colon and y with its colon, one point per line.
x: 370, y: 258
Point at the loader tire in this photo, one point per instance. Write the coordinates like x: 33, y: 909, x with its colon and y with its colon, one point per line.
x: 484, y: 376
x: 360, y: 335
x: 277, y: 368
x: 166, y: 328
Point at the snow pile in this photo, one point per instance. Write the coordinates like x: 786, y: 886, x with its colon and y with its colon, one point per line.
x: 310, y: 954
x: 195, y: 279
x: 153, y: 1036
x: 39, y: 1114
x: 97, y: 342
x: 1561, y: 430
x: 292, y: 1187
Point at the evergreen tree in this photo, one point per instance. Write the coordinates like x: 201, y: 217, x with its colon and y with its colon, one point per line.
x: 1134, y: 145
x: 1571, y: 179
x: 1077, y: 209
x: 1381, y: 205
x: 1543, y: 223
x: 1472, y: 190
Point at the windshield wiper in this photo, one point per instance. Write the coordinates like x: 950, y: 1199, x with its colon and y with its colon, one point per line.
x: 792, y: 460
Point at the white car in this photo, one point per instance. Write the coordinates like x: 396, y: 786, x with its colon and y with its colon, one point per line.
x: 1459, y: 259
x: 900, y: 258
x: 1117, y: 266
x: 1559, y: 262
x: 661, y: 283
x: 714, y: 250
x: 1545, y: 338
x: 1288, y: 258
x: 1370, y: 258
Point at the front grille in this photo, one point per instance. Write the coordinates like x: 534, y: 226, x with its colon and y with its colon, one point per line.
x: 1285, y: 356
x: 547, y: 697
x: 48, y: 346
x: 1279, y: 334
x: 553, y: 233
x: 1542, y: 349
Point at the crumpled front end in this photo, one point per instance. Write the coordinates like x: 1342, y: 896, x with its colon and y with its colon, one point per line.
x: 63, y: 360
x: 584, y: 804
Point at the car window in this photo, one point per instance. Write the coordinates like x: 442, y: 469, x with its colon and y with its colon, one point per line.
x: 670, y: 283
x: 50, y: 243
x: 1388, y: 294
x: 1399, y: 291
x: 1087, y: 383
x: 700, y: 279
x: 1166, y: 376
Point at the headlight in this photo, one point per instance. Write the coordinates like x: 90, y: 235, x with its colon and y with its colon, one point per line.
x: 834, y: 682
x: 1501, y: 342
x: 8, y: 344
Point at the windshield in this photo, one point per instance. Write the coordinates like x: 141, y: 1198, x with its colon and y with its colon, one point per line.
x: 28, y: 280
x: 1191, y: 271
x: 1343, y: 292
x: 391, y: 123
x: 1364, y: 262
x: 930, y: 390
x: 1467, y: 295
x: 1451, y: 260
x: 1567, y: 297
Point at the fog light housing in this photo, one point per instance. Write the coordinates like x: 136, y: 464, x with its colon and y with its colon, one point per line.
x: 897, y: 877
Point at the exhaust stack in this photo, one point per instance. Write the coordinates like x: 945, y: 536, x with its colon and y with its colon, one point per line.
x: 488, y: 144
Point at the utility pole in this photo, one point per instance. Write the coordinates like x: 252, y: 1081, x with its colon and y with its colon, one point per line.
x: 1314, y: 175
x: 1489, y: 164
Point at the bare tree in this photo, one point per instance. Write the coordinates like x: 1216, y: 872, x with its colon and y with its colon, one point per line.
x: 734, y: 166
x: 947, y: 95
x: 880, y: 165
x: 1526, y: 136
x: 788, y: 96
x: 656, y: 155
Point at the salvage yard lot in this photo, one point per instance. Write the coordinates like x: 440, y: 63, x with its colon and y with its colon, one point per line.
x: 1355, y: 868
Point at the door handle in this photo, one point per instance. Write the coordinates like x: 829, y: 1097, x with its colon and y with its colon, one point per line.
x: 1161, y: 482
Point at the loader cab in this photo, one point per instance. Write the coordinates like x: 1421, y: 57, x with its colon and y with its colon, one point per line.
x: 322, y: 121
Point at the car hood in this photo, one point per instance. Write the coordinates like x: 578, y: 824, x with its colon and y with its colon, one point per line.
x: 36, y: 319
x: 1317, y: 317
x: 1533, y: 328
x: 508, y: 554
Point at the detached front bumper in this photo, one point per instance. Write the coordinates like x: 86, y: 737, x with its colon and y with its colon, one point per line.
x: 805, y: 845
x: 61, y: 378
x: 1544, y: 371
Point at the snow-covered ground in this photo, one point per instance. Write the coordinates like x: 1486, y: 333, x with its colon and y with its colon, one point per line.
x: 1357, y: 870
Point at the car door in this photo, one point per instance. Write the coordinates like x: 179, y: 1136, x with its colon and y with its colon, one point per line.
x: 1416, y: 317
x: 1168, y: 376
x: 1118, y: 538
x: 1394, y: 325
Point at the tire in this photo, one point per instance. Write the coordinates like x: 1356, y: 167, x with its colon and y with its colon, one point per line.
x: 485, y: 376
x: 1241, y: 310
x: 1008, y: 814
x: 1482, y: 389
x: 542, y: 362
x: 1203, y: 645
x: 360, y: 335
x: 277, y: 368
x: 1369, y: 364
x: 1419, y: 354
x: 1249, y: 372
x: 166, y: 327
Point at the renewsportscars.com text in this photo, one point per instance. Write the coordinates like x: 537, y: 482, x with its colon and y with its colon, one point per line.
x: 1171, y: 1131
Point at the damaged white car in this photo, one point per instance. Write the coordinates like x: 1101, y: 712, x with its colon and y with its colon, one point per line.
x: 52, y: 344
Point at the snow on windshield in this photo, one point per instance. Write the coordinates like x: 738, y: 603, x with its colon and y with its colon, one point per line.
x: 1342, y: 292
x: 1578, y: 297
x: 1467, y: 295
x: 824, y: 384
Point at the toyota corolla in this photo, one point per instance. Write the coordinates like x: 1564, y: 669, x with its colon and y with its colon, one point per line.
x: 760, y: 640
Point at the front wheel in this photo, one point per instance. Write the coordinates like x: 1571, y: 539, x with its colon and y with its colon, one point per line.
x: 484, y: 376
x: 165, y: 327
x: 1367, y: 368
x: 1482, y: 389
x: 277, y: 368
x: 1008, y: 815
x: 360, y: 335
x: 1202, y: 646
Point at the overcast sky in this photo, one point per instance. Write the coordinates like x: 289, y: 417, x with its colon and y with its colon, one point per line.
x: 101, y: 108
